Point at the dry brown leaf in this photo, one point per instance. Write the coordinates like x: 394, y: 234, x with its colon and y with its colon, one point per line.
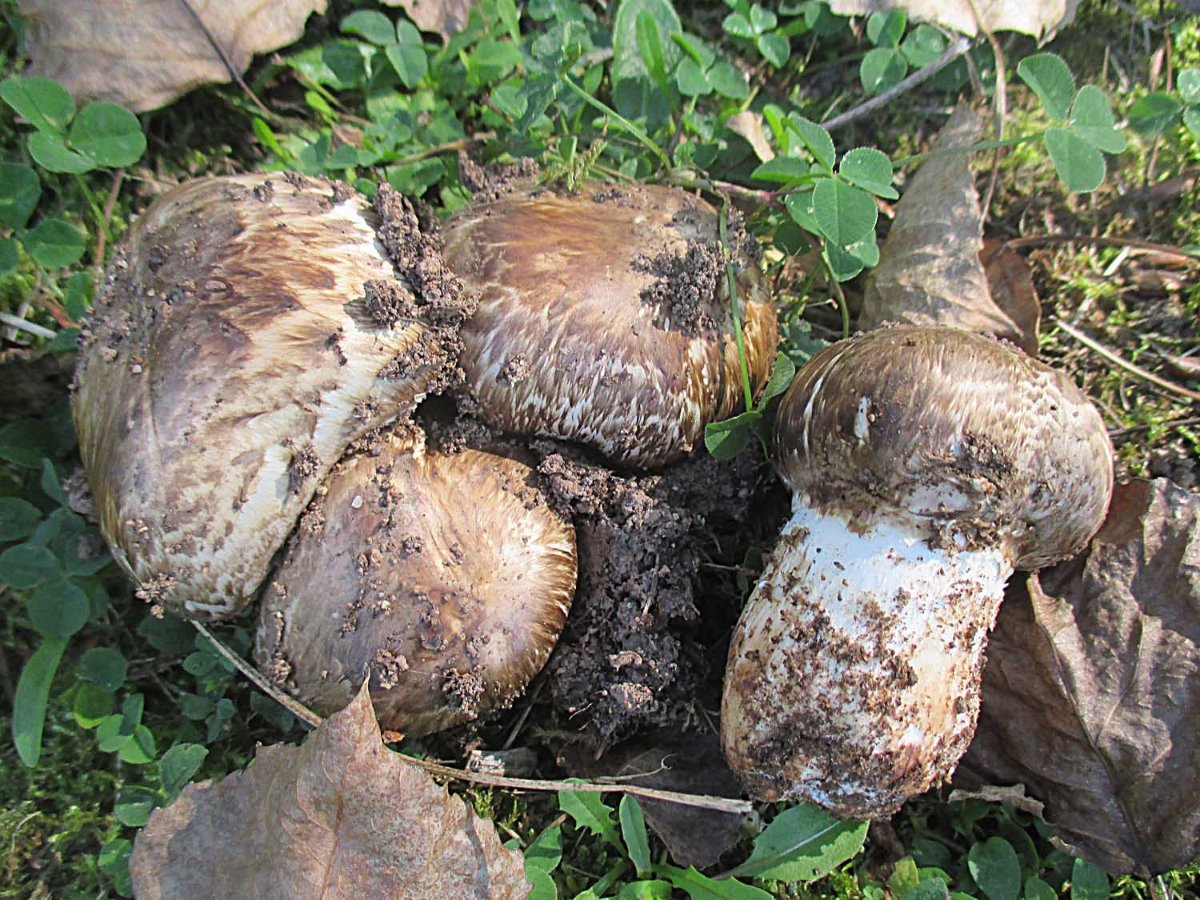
x: 444, y: 17
x: 1010, y: 282
x: 339, y: 816
x: 748, y: 124
x: 1091, y: 694
x: 929, y: 270
x: 145, y: 53
x: 1039, y: 19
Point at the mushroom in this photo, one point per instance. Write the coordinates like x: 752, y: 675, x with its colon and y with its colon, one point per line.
x: 926, y: 464
x: 447, y: 577
x: 250, y: 328
x: 604, y: 317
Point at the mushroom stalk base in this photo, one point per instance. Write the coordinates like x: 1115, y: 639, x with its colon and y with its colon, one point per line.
x: 853, y: 676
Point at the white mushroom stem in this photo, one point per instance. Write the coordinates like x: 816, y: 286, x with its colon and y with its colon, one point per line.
x: 853, y: 677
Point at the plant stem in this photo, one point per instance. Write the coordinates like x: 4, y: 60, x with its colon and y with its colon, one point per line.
x: 981, y: 145
x: 731, y: 281
x: 97, y: 212
x: 628, y: 126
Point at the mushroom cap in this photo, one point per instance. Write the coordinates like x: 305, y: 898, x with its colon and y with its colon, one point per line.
x: 604, y: 317
x: 447, y: 577
x: 985, y: 445
x: 231, y: 358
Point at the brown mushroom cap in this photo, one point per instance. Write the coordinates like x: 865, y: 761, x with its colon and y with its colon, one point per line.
x: 984, y: 443
x: 231, y: 358
x: 604, y: 317
x: 447, y: 577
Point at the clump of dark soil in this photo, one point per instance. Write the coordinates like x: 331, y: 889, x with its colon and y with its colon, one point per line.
x: 684, y: 286
x: 491, y: 182
x: 645, y: 640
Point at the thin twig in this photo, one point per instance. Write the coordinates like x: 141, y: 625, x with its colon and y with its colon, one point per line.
x: 957, y: 48
x: 1125, y: 364
x: 1168, y: 424
x: 22, y: 325
x: 1001, y: 105
x: 703, y: 801
x: 102, y: 238
x: 1133, y: 243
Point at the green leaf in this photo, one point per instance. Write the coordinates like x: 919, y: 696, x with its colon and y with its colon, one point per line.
x: 633, y: 832
x: 1036, y: 889
x: 18, y: 518
x: 178, y: 765
x: 501, y: 56
x: 543, y: 885
x: 775, y: 48
x: 627, y: 62
x: 781, y: 169
x: 884, y: 29
x: 408, y: 57
x: 545, y: 853
x: 815, y: 138
x: 728, y: 81
x: 762, y: 19
x: 881, y: 69
x: 701, y: 887
x: 1078, y: 163
x: 29, y: 702
x: 26, y: 565
x: 105, y: 667
x: 923, y: 45
x: 49, y: 152
x: 1191, y: 120
x: 799, y: 205
x: 26, y: 442
x: 1153, y: 114
x: 996, y: 868
x: 589, y: 811
x: 50, y: 484
x: 725, y: 439
x: 140, y: 748
x: 739, y: 26
x: 372, y: 25
x: 134, y: 805
x: 782, y: 374
x: 645, y: 890
x: 9, y: 255
x: 20, y: 190
x: 113, y: 860
x: 845, y: 214
x: 846, y: 262
x: 1088, y: 881
x: 870, y: 170
x: 54, y: 244
x: 1092, y: 120
x: 650, y: 48
x: 108, y: 134
x: 59, y: 609
x: 802, y: 844
x: 698, y: 51
x: 92, y: 705
x: 692, y: 80
x: 1188, y: 85
x: 43, y: 103
x: 1051, y: 79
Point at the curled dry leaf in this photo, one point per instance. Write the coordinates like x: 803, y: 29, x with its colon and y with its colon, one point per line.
x: 338, y: 816
x: 1091, y: 696
x: 1038, y: 19
x: 444, y: 17
x: 145, y: 53
x: 929, y: 270
x: 748, y: 124
x: 1010, y: 281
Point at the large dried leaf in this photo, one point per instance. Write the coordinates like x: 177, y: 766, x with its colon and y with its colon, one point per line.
x: 1038, y: 19
x: 339, y: 816
x: 444, y: 17
x: 145, y: 53
x: 929, y: 270
x: 1091, y: 695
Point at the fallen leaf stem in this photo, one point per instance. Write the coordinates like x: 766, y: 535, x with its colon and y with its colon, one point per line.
x: 702, y: 801
x: 1121, y: 362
